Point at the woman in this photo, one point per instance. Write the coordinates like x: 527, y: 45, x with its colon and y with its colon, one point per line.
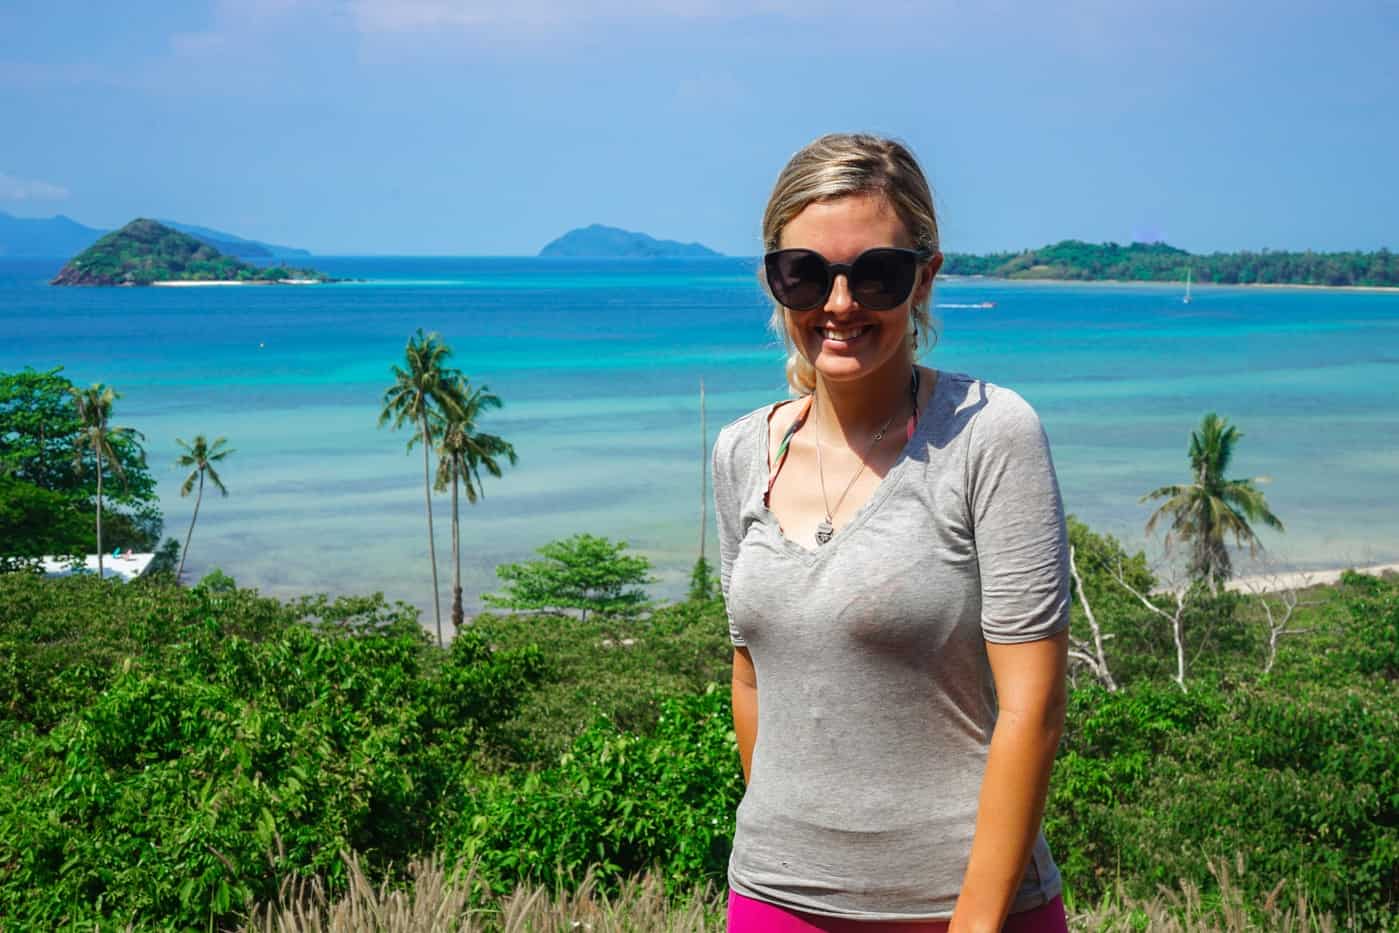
x: 894, y: 563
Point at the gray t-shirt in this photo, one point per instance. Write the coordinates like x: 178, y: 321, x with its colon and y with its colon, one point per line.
x: 875, y: 697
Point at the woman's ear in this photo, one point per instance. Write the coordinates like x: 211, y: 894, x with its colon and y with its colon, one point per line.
x: 926, y: 276
x: 934, y: 265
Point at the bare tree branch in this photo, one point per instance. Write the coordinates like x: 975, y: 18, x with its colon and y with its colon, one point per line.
x: 1097, y: 661
x: 1279, y: 600
x: 1176, y: 618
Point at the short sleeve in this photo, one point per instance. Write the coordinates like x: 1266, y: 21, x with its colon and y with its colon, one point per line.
x: 1017, y: 523
x: 728, y: 500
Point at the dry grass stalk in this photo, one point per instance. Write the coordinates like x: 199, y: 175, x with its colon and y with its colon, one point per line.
x: 1190, y: 911
x: 437, y: 901
x: 441, y: 901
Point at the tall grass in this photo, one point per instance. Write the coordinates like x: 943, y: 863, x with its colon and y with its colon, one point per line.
x: 453, y: 899
x: 444, y: 899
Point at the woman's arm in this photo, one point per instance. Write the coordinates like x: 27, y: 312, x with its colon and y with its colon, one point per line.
x: 1031, y: 690
x: 745, y: 706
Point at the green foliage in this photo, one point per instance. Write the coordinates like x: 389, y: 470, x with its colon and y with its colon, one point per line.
x: 170, y: 756
x: 703, y: 584
x: 43, y: 443
x: 145, y: 251
x: 592, y: 671
x: 37, y: 523
x: 216, y: 581
x: 617, y: 801
x: 163, y: 564
x: 1152, y: 782
x: 584, y: 572
x: 167, y: 756
x: 1157, y: 262
x: 1371, y: 645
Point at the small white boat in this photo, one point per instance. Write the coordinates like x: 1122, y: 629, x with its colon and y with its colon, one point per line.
x: 1186, y: 299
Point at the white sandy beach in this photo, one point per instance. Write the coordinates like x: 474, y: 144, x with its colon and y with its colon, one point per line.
x: 186, y: 284
x: 214, y: 282
x: 127, y: 567
x: 1301, y: 579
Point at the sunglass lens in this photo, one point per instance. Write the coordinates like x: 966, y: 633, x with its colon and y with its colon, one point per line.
x: 882, y: 278
x: 798, y: 278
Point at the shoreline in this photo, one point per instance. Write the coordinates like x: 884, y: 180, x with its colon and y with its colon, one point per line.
x: 1260, y: 583
x: 192, y: 283
x: 1197, y: 286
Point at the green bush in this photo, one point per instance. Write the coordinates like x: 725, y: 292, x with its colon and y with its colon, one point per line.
x: 618, y: 802
x: 1371, y: 646
x: 231, y: 746
x: 619, y: 669
x: 1152, y: 782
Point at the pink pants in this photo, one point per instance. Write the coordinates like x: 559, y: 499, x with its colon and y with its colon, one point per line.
x: 749, y: 916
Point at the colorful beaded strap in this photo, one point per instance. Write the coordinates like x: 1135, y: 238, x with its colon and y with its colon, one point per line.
x: 781, y: 456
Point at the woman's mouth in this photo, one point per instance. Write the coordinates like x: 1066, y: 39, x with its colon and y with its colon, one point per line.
x: 837, y: 338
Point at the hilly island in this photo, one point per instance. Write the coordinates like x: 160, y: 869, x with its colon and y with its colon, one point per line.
x: 146, y: 252
x: 599, y: 242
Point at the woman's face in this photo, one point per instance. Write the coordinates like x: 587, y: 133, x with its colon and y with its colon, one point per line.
x: 843, y: 341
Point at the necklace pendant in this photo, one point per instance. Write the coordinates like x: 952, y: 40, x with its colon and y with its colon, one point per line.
x: 824, y: 531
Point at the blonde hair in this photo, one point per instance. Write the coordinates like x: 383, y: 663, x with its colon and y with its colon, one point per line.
x: 835, y: 166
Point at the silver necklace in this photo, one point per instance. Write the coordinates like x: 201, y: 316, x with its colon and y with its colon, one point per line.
x: 826, y: 529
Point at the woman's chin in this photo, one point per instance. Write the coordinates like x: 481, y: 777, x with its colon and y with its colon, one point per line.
x: 841, y: 362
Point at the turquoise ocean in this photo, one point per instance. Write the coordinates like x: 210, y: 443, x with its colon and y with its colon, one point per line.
x: 599, y: 365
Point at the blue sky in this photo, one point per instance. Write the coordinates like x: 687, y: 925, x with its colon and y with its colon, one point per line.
x: 490, y: 127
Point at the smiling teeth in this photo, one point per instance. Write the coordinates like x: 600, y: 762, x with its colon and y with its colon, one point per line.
x: 834, y: 334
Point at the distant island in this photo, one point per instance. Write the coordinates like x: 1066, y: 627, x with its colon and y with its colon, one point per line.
x: 1074, y: 260
x: 58, y: 236
x: 147, y: 252
x: 599, y: 242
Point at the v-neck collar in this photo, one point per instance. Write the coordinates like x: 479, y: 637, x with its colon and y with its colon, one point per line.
x: 887, y: 483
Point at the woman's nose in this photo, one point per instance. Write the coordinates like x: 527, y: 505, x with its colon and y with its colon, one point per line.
x: 840, y: 299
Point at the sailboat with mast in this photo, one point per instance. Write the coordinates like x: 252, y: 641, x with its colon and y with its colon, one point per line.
x: 1186, y: 299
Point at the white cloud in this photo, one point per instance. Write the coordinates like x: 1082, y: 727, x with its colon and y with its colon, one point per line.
x: 379, y: 16
x: 13, y: 188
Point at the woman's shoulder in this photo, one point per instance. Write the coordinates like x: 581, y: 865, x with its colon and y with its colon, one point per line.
x: 984, y: 414
x: 985, y: 402
x: 742, y: 443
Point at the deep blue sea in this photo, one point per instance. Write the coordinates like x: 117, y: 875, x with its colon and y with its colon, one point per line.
x: 599, y: 364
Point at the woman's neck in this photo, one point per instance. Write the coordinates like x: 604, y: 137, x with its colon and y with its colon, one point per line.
x: 856, y: 410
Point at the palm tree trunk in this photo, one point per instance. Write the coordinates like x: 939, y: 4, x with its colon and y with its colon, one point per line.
x: 431, y: 545
x: 456, y: 562
x: 98, y: 451
x: 190, y: 534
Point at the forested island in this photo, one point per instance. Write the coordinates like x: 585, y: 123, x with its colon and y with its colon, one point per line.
x: 1156, y: 262
x: 599, y: 242
x: 145, y: 252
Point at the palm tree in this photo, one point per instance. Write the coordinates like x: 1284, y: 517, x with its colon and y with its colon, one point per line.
x: 200, y: 458
x: 1203, y: 512
x: 426, y: 386
x: 94, y: 406
x: 462, y: 453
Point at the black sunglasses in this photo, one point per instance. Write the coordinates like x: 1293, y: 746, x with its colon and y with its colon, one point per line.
x: 879, y: 278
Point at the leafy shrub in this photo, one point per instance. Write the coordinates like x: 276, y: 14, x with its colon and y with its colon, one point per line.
x: 582, y: 572
x: 184, y: 780
x: 1371, y: 647
x: 620, y: 670
x: 1152, y: 782
x: 617, y: 802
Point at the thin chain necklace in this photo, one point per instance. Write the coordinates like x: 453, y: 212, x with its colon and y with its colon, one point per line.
x: 826, y: 529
